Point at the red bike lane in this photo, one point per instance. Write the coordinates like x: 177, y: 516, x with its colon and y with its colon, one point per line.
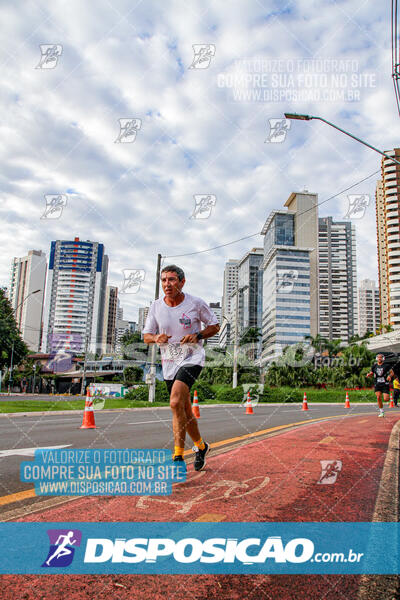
x: 278, y: 478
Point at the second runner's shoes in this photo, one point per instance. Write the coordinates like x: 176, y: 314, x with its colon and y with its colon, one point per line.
x: 200, y: 459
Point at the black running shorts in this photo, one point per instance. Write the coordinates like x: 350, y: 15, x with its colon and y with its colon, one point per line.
x: 188, y: 374
x: 382, y: 387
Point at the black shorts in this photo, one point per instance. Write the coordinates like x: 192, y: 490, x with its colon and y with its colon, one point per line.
x: 188, y: 374
x: 382, y: 387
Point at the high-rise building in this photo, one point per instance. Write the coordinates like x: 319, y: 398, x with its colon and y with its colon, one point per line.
x: 143, y: 312
x: 250, y: 289
x: 337, y: 279
x: 229, y: 288
x: 75, y: 295
x: 133, y: 326
x: 305, y: 206
x: 290, y: 275
x: 368, y: 307
x: 225, y: 335
x: 121, y: 327
x: 28, y: 274
x: 230, y: 283
x: 110, y: 317
x: 217, y: 310
x: 388, y: 232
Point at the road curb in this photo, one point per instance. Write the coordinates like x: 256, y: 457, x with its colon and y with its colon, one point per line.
x: 376, y: 587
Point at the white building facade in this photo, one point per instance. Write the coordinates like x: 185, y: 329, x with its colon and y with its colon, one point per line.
x: 75, y: 297
x: 28, y: 274
x: 338, y: 294
x: 368, y: 307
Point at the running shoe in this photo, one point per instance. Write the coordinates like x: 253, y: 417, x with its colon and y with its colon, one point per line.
x: 178, y: 458
x: 381, y: 414
x: 200, y: 460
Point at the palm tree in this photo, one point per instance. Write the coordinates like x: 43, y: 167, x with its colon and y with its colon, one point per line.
x: 318, y: 342
x: 354, y: 338
x: 333, y: 347
x: 251, y: 336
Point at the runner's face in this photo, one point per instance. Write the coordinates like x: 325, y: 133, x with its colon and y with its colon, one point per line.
x: 171, y: 285
x: 379, y: 359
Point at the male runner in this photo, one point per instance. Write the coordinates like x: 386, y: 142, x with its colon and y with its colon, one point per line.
x: 380, y: 371
x: 174, y: 324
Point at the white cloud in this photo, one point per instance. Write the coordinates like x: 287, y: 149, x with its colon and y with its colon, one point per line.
x: 121, y: 60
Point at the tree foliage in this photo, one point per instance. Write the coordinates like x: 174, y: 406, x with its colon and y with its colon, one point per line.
x: 345, y: 367
x: 9, y: 334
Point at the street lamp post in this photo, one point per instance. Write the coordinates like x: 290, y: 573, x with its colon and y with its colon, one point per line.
x: 83, y: 382
x: 151, y: 376
x: 298, y: 117
x: 10, y: 380
x: 34, y: 379
x: 236, y: 341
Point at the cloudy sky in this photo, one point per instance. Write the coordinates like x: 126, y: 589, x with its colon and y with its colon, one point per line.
x: 202, y: 80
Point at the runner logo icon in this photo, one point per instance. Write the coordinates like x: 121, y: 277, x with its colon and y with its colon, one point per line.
x: 185, y: 321
x: 61, y: 551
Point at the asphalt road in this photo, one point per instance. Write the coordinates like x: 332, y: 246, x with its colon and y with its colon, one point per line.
x: 140, y: 428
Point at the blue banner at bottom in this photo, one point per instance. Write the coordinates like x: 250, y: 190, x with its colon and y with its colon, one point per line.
x: 213, y: 548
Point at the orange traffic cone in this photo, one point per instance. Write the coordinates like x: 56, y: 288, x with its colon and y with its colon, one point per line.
x: 347, y: 402
x: 249, y: 406
x: 305, y: 405
x: 88, y: 414
x: 195, y: 407
x: 391, y: 405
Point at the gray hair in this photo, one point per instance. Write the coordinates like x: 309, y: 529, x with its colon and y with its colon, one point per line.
x: 174, y: 269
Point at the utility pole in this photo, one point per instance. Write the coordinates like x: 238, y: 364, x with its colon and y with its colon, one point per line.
x: 84, y: 366
x: 34, y: 379
x: 10, y: 379
x: 151, y: 376
x: 235, y: 346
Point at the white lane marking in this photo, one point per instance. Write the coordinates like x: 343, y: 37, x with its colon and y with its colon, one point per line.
x: 291, y: 410
x: 29, y: 451
x: 39, y: 420
x: 156, y: 421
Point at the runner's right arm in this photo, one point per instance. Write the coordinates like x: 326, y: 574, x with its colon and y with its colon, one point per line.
x: 156, y: 338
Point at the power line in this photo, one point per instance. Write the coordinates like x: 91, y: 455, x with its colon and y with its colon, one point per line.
x: 215, y: 247
x: 259, y: 233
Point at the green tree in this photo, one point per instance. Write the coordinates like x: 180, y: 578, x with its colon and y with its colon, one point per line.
x: 133, y: 375
x: 319, y: 343
x: 132, y: 346
x: 9, y: 335
x: 131, y: 337
x: 333, y: 347
x: 251, y: 336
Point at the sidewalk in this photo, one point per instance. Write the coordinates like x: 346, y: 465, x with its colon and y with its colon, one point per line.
x: 275, y: 479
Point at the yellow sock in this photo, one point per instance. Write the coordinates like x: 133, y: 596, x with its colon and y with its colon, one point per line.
x: 200, y: 444
x: 178, y: 451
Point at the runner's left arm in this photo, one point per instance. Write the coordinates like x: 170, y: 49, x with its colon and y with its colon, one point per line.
x: 210, y: 320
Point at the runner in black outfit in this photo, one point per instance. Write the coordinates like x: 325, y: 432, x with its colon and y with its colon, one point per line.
x: 381, y: 371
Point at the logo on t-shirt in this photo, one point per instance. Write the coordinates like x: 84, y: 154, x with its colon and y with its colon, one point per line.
x: 185, y: 321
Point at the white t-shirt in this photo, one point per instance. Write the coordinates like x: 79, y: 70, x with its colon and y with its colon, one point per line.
x: 178, y: 321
